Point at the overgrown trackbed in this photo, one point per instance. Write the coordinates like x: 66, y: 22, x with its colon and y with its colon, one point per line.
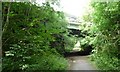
x: 80, y: 63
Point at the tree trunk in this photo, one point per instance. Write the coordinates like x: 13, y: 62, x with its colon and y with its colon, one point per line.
x: 7, y: 18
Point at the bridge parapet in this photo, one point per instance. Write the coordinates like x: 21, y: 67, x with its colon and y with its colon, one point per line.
x: 74, y: 25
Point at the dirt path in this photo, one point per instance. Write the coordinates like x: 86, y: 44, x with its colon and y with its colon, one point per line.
x: 80, y: 63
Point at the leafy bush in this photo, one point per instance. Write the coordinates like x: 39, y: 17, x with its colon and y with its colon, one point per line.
x: 27, y: 33
x: 49, y: 62
x: 69, y: 42
x: 105, y: 32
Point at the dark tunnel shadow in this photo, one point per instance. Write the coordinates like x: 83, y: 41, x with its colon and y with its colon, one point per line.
x: 87, y: 48
x: 87, y: 51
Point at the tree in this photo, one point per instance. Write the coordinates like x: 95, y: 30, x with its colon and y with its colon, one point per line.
x: 28, y: 31
x: 106, y: 29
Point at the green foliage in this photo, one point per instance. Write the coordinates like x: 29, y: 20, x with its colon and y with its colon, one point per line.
x: 106, y: 34
x: 48, y: 62
x: 27, y: 32
x: 69, y: 42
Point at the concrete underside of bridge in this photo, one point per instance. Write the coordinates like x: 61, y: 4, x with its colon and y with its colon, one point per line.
x: 76, y: 32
